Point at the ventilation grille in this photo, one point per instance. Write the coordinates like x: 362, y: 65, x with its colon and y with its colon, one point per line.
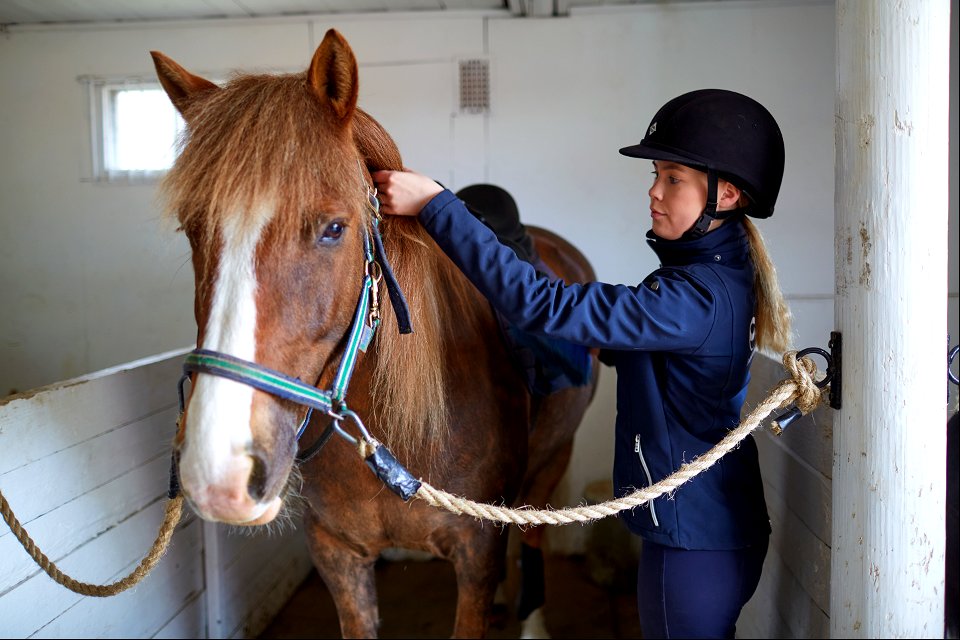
x: 474, y: 86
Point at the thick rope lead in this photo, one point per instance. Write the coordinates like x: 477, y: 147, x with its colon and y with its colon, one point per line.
x: 170, y: 520
x: 801, y: 388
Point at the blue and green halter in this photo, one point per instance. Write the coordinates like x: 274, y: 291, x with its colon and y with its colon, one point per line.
x: 366, y: 321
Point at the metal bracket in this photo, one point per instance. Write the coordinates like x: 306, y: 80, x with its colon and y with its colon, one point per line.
x: 951, y: 356
x: 835, y: 368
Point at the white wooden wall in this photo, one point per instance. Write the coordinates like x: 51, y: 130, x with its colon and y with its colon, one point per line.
x: 85, y: 462
x: 84, y: 465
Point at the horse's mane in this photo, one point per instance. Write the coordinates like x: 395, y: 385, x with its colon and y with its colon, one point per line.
x: 266, y: 139
x: 411, y: 378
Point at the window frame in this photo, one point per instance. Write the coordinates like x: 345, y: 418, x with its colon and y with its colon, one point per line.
x: 100, y: 103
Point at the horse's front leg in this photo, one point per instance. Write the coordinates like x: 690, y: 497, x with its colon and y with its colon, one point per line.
x: 478, y: 563
x: 349, y: 577
x: 532, y: 580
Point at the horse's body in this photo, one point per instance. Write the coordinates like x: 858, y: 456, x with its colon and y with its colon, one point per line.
x: 271, y: 190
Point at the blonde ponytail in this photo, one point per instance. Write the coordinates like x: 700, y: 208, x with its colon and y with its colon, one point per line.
x: 772, y: 313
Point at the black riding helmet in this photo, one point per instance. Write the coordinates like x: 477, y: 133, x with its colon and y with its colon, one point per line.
x: 496, y: 208
x: 726, y: 134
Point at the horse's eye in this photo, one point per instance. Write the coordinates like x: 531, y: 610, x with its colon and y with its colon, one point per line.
x: 331, y: 234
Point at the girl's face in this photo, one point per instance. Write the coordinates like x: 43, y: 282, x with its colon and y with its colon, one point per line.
x: 677, y: 198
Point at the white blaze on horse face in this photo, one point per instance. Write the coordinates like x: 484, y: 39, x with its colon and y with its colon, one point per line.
x: 215, y: 464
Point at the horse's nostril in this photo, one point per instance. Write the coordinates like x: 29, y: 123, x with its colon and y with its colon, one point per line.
x: 257, y: 484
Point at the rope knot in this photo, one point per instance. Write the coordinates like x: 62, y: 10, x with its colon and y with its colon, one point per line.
x: 803, y: 371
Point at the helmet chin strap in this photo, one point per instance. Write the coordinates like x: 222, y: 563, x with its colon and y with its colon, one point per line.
x: 710, y: 213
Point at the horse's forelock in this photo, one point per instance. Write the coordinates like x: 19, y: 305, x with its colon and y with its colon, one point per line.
x: 263, y: 145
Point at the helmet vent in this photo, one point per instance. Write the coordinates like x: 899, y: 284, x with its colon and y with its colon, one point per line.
x: 474, y: 85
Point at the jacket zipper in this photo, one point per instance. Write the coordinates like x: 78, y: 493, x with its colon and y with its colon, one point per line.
x: 646, y: 470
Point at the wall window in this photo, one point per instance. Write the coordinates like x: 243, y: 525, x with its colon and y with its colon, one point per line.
x: 134, y: 130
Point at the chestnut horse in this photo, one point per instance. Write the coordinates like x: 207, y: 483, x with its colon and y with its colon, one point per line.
x: 272, y: 189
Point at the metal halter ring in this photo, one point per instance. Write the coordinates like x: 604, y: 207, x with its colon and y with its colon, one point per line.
x: 375, y: 271
x: 826, y: 356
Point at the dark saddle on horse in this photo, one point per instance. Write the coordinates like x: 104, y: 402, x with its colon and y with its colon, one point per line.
x: 548, y: 365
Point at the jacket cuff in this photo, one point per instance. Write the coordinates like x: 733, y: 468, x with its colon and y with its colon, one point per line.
x: 436, y: 205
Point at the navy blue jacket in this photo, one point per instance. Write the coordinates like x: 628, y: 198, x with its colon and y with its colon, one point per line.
x: 681, y: 342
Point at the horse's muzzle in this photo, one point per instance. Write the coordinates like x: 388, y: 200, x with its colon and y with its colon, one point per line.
x: 234, y: 495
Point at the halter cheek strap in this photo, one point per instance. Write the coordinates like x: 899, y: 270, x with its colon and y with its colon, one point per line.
x: 400, y: 308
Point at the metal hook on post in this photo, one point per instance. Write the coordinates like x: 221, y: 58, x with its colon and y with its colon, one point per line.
x: 831, y: 378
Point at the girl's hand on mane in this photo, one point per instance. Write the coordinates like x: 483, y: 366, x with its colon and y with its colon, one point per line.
x: 404, y: 193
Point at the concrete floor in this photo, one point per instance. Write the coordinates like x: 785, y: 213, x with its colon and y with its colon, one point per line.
x: 417, y: 599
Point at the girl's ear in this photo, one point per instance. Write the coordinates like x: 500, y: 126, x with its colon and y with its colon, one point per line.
x: 728, y: 196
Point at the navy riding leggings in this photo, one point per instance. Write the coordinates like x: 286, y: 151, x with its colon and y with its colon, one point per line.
x: 695, y: 594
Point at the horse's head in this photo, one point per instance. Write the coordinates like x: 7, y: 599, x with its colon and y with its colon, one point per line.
x: 271, y: 189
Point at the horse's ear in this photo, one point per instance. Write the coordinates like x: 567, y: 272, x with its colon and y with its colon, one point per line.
x: 375, y: 145
x: 181, y: 85
x: 333, y: 75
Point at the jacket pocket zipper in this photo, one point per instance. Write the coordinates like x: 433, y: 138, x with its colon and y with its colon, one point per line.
x: 646, y: 470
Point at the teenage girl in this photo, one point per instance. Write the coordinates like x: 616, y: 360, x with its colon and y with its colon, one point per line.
x: 681, y: 340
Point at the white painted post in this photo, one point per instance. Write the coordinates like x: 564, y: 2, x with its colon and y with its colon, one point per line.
x: 892, y: 132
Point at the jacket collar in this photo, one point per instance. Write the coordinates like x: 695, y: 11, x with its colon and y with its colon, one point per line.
x: 728, y: 244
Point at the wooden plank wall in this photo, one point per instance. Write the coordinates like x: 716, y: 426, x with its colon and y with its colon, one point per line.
x: 84, y: 465
x: 793, y: 598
